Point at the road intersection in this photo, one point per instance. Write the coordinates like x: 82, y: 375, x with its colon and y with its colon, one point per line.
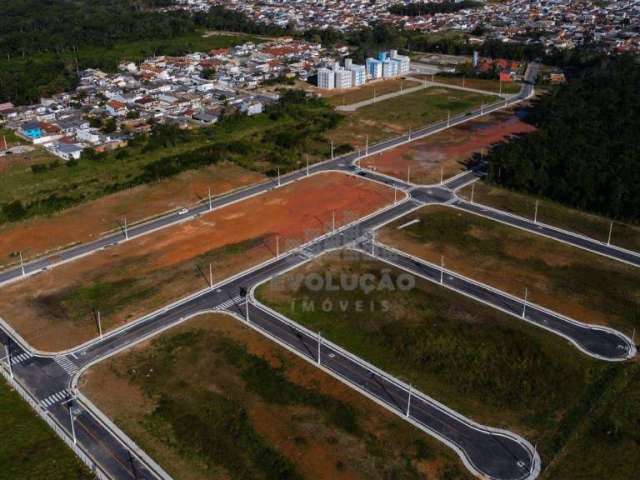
x: 50, y: 380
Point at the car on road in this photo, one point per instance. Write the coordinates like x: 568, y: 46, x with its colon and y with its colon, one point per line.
x: 183, y: 211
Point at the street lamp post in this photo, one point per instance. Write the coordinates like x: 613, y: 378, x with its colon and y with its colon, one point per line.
x: 22, y: 264
x: 210, y: 201
x: 409, y: 403
x: 524, y: 307
x: 8, y: 350
x: 319, y: 348
x: 441, y: 269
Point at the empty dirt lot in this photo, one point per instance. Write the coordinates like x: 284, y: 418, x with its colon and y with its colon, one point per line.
x: 54, y: 310
x: 89, y: 220
x: 210, y: 383
x: 446, y: 150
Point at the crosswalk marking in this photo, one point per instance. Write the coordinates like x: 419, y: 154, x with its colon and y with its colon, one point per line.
x: 229, y: 303
x: 67, y: 365
x: 20, y: 358
x: 56, y: 398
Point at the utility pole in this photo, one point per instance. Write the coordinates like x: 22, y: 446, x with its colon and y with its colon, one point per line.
x: 473, y: 188
x: 210, y: 202
x: 278, y: 176
x: 73, y: 413
x: 524, y: 308
x: 8, y: 350
x: 409, y: 133
x: 319, y: 347
x: 481, y: 108
x: 535, y: 213
x: 409, y: 174
x: 126, y: 230
x: 409, y: 402
x: 307, y: 157
x: 374, y: 94
x: 441, y: 269
x: 610, y: 232
x: 22, y: 264
x: 366, y: 146
x: 463, y: 81
x: 99, y: 322
x: 277, y: 246
x: 373, y: 243
x: 395, y: 194
x: 500, y: 87
x: 441, y: 175
x: 211, y: 276
x: 246, y: 307
x: 331, y: 149
x: 333, y: 221
x: 448, y: 118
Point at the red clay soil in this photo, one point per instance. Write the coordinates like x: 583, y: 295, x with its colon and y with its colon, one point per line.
x: 293, y: 213
x: 446, y: 149
x: 90, y: 220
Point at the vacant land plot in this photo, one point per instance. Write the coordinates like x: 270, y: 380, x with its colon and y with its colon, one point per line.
x: 487, y: 365
x: 424, y: 160
x: 480, y: 84
x: 54, y: 310
x: 579, y: 284
x: 213, y: 399
x: 90, y: 220
x: 552, y: 213
x: 367, y: 91
x: 396, y: 116
x: 30, y: 450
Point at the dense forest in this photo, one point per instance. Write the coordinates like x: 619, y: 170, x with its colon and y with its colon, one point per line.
x: 429, y: 8
x: 585, y: 152
x: 44, y: 42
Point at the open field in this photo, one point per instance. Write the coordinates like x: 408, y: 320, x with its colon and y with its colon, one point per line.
x: 90, y: 220
x: 582, y: 285
x: 213, y: 399
x: 30, y: 450
x: 447, y: 150
x: 346, y: 97
x: 396, y: 116
x: 479, y: 83
x: 552, y: 213
x: 487, y: 365
x: 54, y: 310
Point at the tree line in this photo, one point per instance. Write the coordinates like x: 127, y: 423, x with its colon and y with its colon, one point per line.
x: 416, y: 9
x: 585, y: 151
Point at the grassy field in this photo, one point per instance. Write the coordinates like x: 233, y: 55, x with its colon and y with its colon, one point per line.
x: 479, y: 83
x: 486, y: 365
x: 397, y: 115
x: 212, y: 399
x: 30, y: 450
x: 552, y: 213
x: 366, y: 92
x: 557, y: 276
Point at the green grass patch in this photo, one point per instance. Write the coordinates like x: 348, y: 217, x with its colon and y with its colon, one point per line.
x: 30, y: 449
x: 399, y: 114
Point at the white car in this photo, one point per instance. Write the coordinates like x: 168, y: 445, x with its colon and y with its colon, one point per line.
x: 183, y: 211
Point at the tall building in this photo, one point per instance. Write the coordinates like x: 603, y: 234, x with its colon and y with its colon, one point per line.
x: 359, y: 75
x: 374, y: 68
x: 404, y: 62
x: 343, y: 78
x: 326, y: 78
